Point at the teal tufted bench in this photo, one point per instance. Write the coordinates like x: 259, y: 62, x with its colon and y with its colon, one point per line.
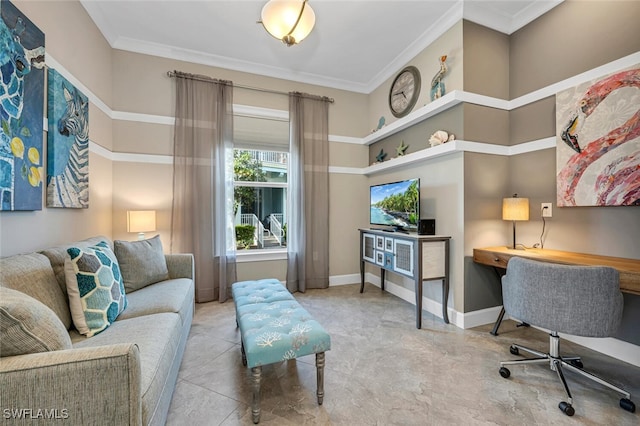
x: 275, y: 328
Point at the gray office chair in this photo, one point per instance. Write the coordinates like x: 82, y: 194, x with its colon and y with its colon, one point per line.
x: 579, y: 300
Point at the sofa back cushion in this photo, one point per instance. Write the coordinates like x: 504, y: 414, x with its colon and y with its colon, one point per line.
x: 28, y: 326
x: 141, y: 262
x: 58, y: 254
x: 32, y: 275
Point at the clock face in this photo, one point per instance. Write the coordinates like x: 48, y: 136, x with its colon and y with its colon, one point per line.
x: 404, y: 91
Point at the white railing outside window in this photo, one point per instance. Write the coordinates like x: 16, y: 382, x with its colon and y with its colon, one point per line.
x: 258, y: 228
x: 275, y: 225
x: 269, y: 157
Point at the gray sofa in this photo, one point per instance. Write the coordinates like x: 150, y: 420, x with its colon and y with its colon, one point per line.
x: 126, y: 374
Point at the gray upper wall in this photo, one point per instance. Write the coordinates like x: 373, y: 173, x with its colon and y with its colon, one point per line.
x: 573, y: 37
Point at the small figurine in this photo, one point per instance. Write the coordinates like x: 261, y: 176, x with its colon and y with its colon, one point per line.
x: 381, y: 122
x: 401, y: 149
x: 437, y: 85
x: 441, y: 137
x: 380, y: 156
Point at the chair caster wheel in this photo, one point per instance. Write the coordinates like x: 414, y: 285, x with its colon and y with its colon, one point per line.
x: 514, y: 350
x: 566, y: 408
x: 628, y: 405
x: 504, y: 372
x: 576, y: 363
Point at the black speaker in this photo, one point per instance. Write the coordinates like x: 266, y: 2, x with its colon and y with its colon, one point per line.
x: 427, y: 227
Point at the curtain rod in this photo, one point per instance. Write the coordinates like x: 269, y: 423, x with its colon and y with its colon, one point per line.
x: 240, y: 86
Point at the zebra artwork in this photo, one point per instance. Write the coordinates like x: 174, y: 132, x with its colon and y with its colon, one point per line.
x: 21, y: 110
x: 67, y: 144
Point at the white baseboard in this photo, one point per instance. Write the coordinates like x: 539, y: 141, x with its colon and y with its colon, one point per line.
x: 336, y: 280
x: 482, y: 317
x: 619, y: 349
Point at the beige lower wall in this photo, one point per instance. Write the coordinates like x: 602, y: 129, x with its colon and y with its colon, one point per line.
x: 348, y: 211
x: 264, y: 269
x: 442, y: 198
x: 73, y: 41
x: 22, y: 232
x: 142, y: 186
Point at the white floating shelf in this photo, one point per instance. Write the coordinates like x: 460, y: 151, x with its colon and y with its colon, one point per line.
x: 444, y: 103
x: 414, y: 157
x: 459, y: 146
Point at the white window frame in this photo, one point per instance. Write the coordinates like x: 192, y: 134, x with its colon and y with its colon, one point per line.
x: 262, y: 255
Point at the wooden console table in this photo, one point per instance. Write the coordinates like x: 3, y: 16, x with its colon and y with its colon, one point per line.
x: 498, y: 257
x: 419, y: 257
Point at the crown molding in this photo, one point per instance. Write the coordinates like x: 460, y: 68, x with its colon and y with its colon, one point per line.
x: 187, y: 55
x: 487, y: 16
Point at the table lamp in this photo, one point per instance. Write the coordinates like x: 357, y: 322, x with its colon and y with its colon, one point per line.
x: 141, y: 221
x: 515, y: 209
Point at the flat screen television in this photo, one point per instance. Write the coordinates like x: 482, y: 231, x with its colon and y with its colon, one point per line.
x: 396, y: 204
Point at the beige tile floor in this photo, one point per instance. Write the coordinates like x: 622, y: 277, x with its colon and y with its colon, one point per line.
x: 381, y: 370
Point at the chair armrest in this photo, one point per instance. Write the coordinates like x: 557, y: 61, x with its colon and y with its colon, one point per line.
x: 99, y: 385
x: 180, y: 265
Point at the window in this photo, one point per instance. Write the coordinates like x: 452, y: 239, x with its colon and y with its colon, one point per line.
x: 260, y: 165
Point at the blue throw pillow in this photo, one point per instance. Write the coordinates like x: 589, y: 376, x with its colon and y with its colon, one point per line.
x: 95, y: 288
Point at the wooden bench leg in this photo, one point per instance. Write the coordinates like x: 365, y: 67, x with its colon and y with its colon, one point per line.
x: 320, y: 376
x: 256, y: 373
x: 244, y: 355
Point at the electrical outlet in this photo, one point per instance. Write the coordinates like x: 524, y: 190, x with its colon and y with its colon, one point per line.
x: 547, y: 209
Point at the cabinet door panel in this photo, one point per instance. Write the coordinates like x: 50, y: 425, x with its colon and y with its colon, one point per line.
x: 368, y: 247
x: 433, y: 259
x: 403, y: 258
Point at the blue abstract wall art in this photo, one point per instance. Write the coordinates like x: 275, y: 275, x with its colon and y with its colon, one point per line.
x: 67, y: 144
x: 21, y: 110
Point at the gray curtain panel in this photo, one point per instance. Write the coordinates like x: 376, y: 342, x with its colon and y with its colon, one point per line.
x: 202, y: 211
x: 308, y: 210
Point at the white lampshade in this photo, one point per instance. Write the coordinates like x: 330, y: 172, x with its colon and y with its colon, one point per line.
x: 279, y: 18
x: 515, y: 208
x: 141, y: 221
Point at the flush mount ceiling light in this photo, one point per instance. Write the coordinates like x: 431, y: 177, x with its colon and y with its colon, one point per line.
x: 288, y: 20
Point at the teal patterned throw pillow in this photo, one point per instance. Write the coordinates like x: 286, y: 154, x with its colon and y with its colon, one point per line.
x: 95, y: 288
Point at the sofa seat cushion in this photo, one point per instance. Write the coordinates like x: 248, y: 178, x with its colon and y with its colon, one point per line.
x: 168, y: 296
x: 158, y: 339
x: 28, y: 326
x: 142, y: 262
x: 32, y: 275
x: 95, y: 288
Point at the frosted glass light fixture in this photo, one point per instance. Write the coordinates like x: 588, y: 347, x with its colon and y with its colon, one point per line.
x: 290, y: 21
x: 515, y: 209
x: 141, y: 221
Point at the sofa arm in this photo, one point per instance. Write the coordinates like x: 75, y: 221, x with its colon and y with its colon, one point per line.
x: 99, y: 385
x: 180, y: 265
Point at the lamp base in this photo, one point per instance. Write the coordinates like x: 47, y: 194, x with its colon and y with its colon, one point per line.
x: 140, y: 236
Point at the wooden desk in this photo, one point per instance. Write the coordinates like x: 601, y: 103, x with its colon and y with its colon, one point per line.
x: 498, y: 257
x: 629, y: 269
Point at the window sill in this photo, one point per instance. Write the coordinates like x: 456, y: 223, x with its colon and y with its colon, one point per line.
x: 261, y: 255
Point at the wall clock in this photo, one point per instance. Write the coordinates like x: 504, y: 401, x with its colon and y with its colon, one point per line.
x: 404, y: 92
